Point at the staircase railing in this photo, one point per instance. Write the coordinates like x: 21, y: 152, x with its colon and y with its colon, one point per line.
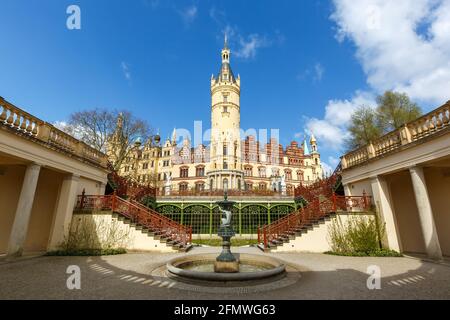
x: 315, y: 210
x: 138, y: 214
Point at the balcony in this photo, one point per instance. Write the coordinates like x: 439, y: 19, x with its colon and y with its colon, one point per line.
x: 430, y: 125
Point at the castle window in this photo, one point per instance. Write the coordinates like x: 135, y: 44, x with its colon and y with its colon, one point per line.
x: 225, y: 184
x: 262, y: 186
x: 225, y: 150
x: 145, y: 165
x: 262, y: 172
x: 300, y: 175
x: 183, y: 187
x: 225, y: 165
x: 184, y: 172
x: 225, y: 109
x: 248, y: 171
x: 199, y: 187
x: 248, y: 186
x: 200, y: 171
x: 288, y: 174
x: 275, y: 172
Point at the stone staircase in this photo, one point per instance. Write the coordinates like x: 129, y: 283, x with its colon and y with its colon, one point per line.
x: 308, y: 219
x: 154, y: 233
x: 296, y: 232
x: 140, y: 218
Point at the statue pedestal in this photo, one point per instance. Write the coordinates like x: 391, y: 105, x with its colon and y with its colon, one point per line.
x: 226, y: 262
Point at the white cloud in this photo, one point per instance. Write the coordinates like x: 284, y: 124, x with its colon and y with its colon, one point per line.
x: 126, y: 70
x: 248, y: 46
x: 403, y: 45
x: 189, y: 14
x: 319, y: 70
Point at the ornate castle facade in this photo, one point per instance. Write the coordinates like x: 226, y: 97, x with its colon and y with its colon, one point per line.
x: 229, y: 162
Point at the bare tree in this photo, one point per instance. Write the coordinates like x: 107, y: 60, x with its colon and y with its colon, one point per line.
x: 110, y: 131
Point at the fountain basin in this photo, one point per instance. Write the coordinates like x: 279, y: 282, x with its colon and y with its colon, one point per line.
x: 201, y: 267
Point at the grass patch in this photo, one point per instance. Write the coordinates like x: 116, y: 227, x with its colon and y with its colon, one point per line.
x: 376, y: 253
x: 86, y: 252
x: 218, y: 242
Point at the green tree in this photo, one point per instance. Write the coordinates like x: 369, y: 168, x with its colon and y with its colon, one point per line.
x: 363, y: 128
x: 394, y: 110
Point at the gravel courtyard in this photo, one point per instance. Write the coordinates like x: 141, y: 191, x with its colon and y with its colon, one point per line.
x: 130, y: 277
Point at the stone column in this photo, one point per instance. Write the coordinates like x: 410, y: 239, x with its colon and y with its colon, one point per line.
x: 63, y: 212
x: 425, y: 213
x: 383, y: 201
x: 23, y: 212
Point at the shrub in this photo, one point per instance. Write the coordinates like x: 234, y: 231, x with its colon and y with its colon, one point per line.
x: 94, y: 236
x: 359, y: 236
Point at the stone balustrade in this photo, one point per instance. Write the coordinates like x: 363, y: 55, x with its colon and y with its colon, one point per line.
x: 28, y: 125
x: 416, y: 130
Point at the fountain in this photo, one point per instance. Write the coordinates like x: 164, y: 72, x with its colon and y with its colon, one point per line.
x: 227, y: 267
x: 226, y: 262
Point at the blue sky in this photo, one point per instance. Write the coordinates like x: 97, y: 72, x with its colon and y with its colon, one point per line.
x: 304, y: 65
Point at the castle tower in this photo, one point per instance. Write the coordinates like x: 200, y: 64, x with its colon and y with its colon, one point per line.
x: 225, y: 166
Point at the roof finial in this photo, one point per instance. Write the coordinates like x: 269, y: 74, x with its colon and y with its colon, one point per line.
x: 226, y: 41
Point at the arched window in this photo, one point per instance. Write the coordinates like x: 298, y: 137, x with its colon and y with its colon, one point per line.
x: 300, y: 176
x: 248, y: 170
x: 239, y: 184
x: 199, y: 186
x: 183, y: 187
x: 200, y: 171
x: 262, y: 172
x: 184, y: 172
x: 288, y: 174
x: 225, y: 184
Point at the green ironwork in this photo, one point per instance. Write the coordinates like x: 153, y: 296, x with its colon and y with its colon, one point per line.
x: 204, y: 218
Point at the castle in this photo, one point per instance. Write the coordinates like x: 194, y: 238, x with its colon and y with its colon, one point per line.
x: 229, y: 162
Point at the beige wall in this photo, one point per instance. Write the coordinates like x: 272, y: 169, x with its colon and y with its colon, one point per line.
x: 438, y: 183
x: 91, y: 187
x: 43, y: 210
x: 357, y: 189
x: 10, y: 185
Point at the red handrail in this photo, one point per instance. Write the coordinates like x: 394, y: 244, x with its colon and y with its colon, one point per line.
x: 314, y: 211
x: 139, y: 214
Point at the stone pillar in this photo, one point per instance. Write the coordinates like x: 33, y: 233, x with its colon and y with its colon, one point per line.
x: 425, y: 213
x: 383, y: 201
x: 63, y: 212
x: 23, y: 212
